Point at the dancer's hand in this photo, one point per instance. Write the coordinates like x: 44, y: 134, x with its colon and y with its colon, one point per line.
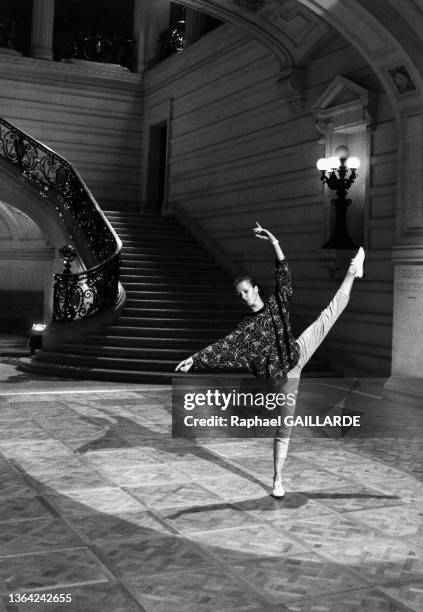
x: 263, y: 234
x: 185, y: 365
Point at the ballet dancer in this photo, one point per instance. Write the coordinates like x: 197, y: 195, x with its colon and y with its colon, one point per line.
x: 264, y: 342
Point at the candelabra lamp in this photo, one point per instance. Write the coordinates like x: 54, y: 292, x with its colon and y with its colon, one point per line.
x: 339, y: 173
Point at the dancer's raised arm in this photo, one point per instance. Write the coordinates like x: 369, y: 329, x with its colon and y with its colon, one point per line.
x: 264, y: 234
x: 283, y: 288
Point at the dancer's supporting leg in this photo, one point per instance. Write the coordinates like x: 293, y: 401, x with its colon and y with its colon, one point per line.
x: 283, y: 433
x: 309, y: 342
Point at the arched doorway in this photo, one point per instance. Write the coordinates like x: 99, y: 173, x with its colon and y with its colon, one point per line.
x: 25, y: 271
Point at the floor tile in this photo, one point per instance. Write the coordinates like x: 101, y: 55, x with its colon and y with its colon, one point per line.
x: 21, y: 507
x: 369, y: 600
x: 279, y: 511
x: 404, y: 520
x: 51, y: 569
x: 235, y: 487
x: 124, y: 526
x: 328, y: 531
x: 87, y: 444
x: 79, y: 478
x: 206, y: 518
x: 380, y: 559
x: 353, y: 497
x: 248, y: 543
x: 26, y: 449
x: 152, y: 555
x: 87, y: 501
x: 36, y: 535
x: 306, y: 477
x: 172, y: 495
x: 102, y: 597
x: 207, y: 590
x: 297, y: 575
x: 120, y: 458
x: 409, y: 593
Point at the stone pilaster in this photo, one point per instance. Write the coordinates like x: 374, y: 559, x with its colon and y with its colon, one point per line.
x: 141, y: 14
x: 42, y: 29
x: 406, y: 382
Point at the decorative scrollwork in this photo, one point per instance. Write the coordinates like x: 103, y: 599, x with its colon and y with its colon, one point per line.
x: 104, y: 48
x: 78, y: 296
x: 75, y: 295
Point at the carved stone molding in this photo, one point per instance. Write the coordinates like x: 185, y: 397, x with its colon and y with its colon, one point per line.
x: 291, y: 88
x: 343, y: 106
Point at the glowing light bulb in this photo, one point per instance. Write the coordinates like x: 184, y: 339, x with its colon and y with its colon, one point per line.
x: 334, y: 162
x: 322, y: 164
x: 353, y: 163
x: 342, y: 152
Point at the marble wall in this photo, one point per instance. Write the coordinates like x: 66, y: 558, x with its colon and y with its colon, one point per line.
x: 90, y: 113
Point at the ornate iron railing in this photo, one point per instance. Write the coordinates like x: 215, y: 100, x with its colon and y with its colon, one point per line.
x: 75, y: 295
x: 105, y: 48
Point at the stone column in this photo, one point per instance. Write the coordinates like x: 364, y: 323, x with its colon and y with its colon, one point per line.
x: 155, y: 21
x: 406, y: 382
x: 42, y: 29
x: 141, y: 17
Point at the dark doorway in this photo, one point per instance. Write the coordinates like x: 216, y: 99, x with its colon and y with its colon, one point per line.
x: 157, y: 168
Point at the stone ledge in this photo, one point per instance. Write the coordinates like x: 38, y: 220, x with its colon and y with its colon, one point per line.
x: 29, y: 68
x: 405, y: 391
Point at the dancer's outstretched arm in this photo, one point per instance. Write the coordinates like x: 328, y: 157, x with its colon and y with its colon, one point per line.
x: 228, y: 352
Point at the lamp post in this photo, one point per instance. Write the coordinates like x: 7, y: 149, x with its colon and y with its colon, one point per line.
x: 341, y: 169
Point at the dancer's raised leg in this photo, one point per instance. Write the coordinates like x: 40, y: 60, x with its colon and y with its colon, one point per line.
x: 309, y: 342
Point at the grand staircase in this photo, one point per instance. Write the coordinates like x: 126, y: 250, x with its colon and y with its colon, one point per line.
x: 178, y: 301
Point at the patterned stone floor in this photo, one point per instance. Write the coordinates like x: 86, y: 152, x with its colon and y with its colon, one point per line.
x: 98, y: 501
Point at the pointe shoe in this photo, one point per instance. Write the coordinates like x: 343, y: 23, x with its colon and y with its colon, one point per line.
x: 357, y: 262
x: 278, y: 489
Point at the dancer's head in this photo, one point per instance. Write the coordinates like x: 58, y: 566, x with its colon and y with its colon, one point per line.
x: 249, y: 291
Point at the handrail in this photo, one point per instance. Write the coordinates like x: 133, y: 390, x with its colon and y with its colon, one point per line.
x: 78, y: 295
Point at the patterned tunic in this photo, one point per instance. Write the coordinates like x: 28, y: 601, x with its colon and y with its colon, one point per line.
x: 263, y: 341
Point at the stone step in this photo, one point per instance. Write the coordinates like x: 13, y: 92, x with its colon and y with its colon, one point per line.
x: 83, y: 373
x: 189, y: 344
x: 175, y: 277
x: 159, y: 241
x: 209, y: 297
x: 209, y: 333
x: 160, y: 258
x: 179, y: 313
x: 164, y: 250
x: 133, y: 376
x: 131, y: 217
x: 186, y: 304
x: 182, y: 322
x: 131, y: 352
x: 158, y: 267
x: 100, y: 361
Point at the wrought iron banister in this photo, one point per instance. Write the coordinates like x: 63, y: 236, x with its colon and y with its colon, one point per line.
x: 78, y: 295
